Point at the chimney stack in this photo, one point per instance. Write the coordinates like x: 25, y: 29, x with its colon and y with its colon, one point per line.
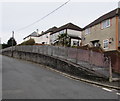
x: 42, y: 32
x: 37, y: 30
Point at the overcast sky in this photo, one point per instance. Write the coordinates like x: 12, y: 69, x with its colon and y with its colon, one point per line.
x: 15, y: 15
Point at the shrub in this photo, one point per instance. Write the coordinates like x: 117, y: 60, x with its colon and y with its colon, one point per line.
x: 28, y: 42
x: 4, y: 46
x: 11, y: 41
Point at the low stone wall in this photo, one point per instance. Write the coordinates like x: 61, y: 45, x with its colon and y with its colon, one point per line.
x: 55, y: 63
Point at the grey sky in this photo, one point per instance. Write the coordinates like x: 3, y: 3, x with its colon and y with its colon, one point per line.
x: 16, y: 15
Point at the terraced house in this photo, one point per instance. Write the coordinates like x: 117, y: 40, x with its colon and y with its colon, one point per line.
x: 103, y: 32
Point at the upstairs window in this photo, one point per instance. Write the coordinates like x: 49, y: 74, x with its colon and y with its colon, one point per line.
x: 87, y: 31
x: 62, y: 32
x: 105, y: 24
x: 46, y: 36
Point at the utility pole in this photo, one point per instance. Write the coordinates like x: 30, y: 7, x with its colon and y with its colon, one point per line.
x: 12, y: 41
x: 119, y: 4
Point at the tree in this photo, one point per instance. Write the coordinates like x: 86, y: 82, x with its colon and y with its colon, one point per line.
x: 64, y: 39
x: 11, y: 41
x: 4, y: 45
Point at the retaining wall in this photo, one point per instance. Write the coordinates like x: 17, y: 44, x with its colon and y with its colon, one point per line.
x: 55, y: 63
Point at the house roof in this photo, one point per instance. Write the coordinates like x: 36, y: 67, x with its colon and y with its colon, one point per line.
x: 67, y: 26
x: 49, y: 30
x: 34, y: 34
x: 111, y: 14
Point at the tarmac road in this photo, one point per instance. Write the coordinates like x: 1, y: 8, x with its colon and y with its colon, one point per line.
x: 26, y: 80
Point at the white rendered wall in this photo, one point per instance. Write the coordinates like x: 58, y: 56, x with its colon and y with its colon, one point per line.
x: 74, y: 33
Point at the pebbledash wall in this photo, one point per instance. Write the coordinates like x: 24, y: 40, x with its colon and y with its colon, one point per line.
x: 96, y: 33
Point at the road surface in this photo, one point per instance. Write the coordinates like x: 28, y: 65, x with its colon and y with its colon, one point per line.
x: 26, y: 80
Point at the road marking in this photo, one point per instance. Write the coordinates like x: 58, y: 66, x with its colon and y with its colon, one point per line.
x: 118, y: 93
x: 109, y: 90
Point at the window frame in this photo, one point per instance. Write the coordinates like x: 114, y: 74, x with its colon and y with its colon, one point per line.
x: 87, y: 31
x: 76, y: 43
x: 62, y: 32
x: 104, y: 43
x: 106, y: 24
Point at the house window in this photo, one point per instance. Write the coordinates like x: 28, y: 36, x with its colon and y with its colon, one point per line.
x: 46, y: 36
x: 87, y: 31
x: 95, y: 43
x: 75, y: 43
x: 106, y: 24
x: 62, y: 32
x: 106, y: 43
